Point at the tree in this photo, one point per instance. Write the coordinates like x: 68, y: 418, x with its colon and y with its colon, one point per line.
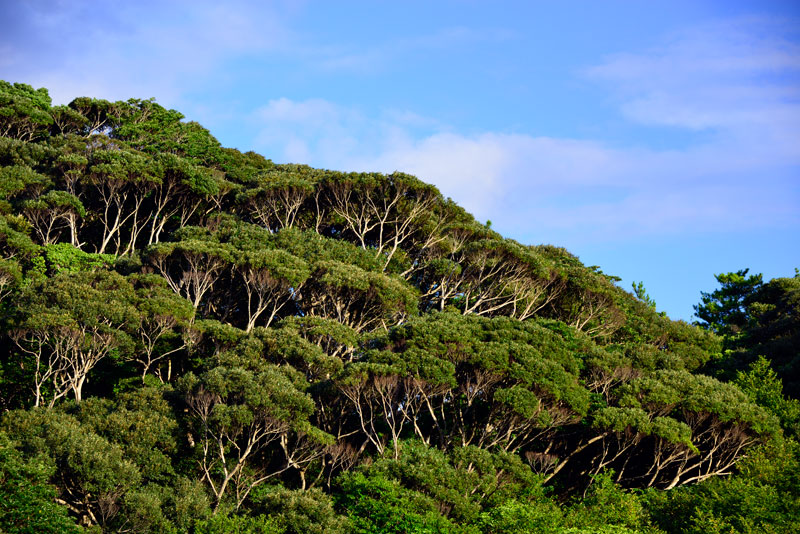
x: 191, y: 267
x: 257, y: 347
x: 67, y: 120
x: 641, y: 294
x: 120, y: 180
x: 724, y: 311
x: 774, y: 329
x: 92, y: 475
x: 99, y: 115
x: 240, y: 412
x: 24, y: 111
x: 376, y: 504
x: 26, y: 497
x: 359, y: 299
x: 277, y: 197
x: 723, y: 422
x: 761, y: 383
x: 161, y: 313
x: 761, y: 497
x: 52, y: 212
x: 756, y: 319
x: 380, y: 212
x: 10, y: 276
x: 271, y: 279
x: 179, y: 190
x: 301, y: 512
x: 74, y: 320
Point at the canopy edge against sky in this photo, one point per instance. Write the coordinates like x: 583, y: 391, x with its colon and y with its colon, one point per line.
x: 658, y: 140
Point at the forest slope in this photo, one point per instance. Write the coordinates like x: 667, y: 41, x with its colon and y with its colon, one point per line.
x: 198, y: 339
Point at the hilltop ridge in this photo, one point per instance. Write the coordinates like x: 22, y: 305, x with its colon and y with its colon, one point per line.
x: 197, y: 338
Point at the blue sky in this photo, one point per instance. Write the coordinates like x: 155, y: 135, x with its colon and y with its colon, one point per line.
x: 658, y: 140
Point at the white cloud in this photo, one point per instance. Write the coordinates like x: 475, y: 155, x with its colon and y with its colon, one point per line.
x: 118, y: 51
x: 321, y: 130
x: 736, y: 81
x: 314, y: 112
x: 583, y: 189
x: 382, y: 55
x: 730, y: 75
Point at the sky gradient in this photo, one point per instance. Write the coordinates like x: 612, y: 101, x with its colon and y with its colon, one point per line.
x: 658, y: 140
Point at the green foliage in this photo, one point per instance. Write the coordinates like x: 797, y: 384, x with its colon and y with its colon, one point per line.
x: 15, y: 180
x: 53, y: 200
x: 763, y: 497
x: 24, y: 111
x: 92, y: 474
x: 641, y: 294
x: 774, y: 330
x: 148, y: 126
x: 140, y: 422
x: 15, y: 241
x: 26, y: 496
x: 724, y: 311
x: 606, y: 504
x: 245, y: 398
x: 520, y: 517
x: 301, y: 512
x: 376, y: 504
x: 65, y: 258
x: 764, y: 321
x: 238, y: 524
x: 762, y: 385
x: 254, y: 347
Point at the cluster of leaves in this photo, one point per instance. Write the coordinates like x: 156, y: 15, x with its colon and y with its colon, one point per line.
x: 759, y: 323
x: 200, y: 340
x: 756, y: 319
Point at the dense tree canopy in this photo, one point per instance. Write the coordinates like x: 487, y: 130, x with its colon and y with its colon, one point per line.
x: 197, y: 339
x: 756, y: 319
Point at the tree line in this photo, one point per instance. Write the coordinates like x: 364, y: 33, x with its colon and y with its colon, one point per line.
x: 197, y: 339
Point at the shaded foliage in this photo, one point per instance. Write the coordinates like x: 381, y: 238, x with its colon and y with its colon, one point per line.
x: 196, y: 339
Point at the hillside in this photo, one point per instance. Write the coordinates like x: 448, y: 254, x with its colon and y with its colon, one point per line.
x: 198, y: 339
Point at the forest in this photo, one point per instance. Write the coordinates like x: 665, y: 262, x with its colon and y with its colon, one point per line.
x: 196, y: 339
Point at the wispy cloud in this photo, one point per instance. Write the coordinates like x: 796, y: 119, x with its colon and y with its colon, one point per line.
x: 382, y: 54
x: 736, y: 80
x: 168, y: 50
x: 730, y: 75
x: 117, y: 51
